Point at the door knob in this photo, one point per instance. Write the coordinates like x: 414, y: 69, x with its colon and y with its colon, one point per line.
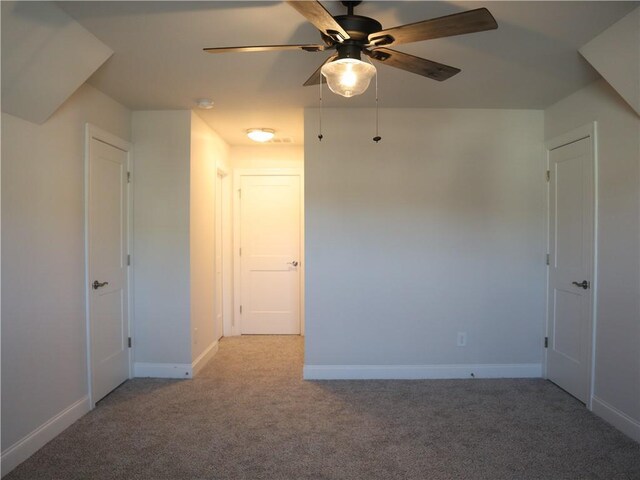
x: 294, y: 263
x: 584, y: 284
x: 96, y: 284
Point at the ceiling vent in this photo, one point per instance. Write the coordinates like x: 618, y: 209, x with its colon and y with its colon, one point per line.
x: 281, y: 140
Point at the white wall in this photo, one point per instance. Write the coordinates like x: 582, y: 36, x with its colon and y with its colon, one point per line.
x: 438, y: 229
x: 617, y: 356
x: 267, y: 156
x: 208, y: 152
x: 43, y: 311
x: 161, y: 261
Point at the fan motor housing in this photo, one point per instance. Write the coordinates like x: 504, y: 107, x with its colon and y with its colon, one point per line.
x: 357, y: 26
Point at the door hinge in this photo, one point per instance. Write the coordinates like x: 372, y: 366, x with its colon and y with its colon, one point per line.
x: 240, y: 251
x: 548, y: 175
x: 129, y: 342
x: 239, y: 193
x: 548, y: 259
x: 128, y: 177
x: 240, y: 309
x: 546, y: 342
x: 128, y: 259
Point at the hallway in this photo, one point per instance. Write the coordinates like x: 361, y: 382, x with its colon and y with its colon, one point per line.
x: 248, y: 415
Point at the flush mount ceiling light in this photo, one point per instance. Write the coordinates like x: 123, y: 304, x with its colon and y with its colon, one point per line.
x: 205, y: 103
x: 260, y: 134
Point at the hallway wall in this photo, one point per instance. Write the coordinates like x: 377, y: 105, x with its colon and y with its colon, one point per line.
x: 208, y: 153
x: 176, y: 157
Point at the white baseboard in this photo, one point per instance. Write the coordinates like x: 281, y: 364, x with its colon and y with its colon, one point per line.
x: 418, y: 372
x: 615, y: 417
x: 204, y: 357
x: 34, y: 441
x: 162, y: 370
x: 175, y: 370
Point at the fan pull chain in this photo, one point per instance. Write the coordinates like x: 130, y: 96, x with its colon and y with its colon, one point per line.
x: 320, y: 112
x: 377, y: 138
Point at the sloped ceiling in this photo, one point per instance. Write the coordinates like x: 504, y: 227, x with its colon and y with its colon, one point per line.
x: 46, y: 56
x: 530, y: 61
x: 615, y: 54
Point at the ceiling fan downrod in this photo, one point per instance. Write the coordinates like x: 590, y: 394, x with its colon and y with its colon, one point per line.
x: 350, y: 5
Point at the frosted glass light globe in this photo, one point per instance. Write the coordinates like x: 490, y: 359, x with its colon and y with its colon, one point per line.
x: 348, y: 76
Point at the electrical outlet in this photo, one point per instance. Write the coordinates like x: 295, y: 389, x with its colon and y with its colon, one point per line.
x: 462, y: 339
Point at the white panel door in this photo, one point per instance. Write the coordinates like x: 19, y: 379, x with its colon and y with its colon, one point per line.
x: 107, y: 256
x: 571, y: 200
x: 270, y: 254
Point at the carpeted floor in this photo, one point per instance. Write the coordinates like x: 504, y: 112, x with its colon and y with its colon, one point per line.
x: 248, y: 415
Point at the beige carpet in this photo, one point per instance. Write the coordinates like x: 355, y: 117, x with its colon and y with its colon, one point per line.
x: 249, y: 415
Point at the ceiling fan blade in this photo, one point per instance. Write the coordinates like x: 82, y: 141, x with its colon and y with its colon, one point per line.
x: 471, y: 21
x: 421, y: 66
x: 314, y: 79
x: 321, y: 19
x: 267, y: 48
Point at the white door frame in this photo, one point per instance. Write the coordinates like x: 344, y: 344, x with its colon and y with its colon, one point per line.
x: 237, y: 174
x: 93, y: 132
x: 586, y: 131
x: 227, y: 256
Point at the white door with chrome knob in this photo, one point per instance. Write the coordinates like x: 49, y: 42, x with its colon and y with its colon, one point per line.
x: 269, y: 254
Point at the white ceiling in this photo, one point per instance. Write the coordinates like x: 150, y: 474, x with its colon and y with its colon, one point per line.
x: 530, y: 61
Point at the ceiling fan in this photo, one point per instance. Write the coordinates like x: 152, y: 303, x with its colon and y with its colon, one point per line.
x: 351, y: 35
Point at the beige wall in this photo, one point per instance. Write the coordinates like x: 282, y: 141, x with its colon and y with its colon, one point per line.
x: 617, y: 356
x: 208, y: 152
x: 43, y: 310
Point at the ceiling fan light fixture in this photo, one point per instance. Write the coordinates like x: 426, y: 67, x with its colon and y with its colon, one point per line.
x: 348, y: 76
x: 260, y: 134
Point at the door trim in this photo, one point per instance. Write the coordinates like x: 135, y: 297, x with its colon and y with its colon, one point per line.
x: 94, y: 132
x: 237, y: 174
x: 585, y: 131
x: 227, y: 249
